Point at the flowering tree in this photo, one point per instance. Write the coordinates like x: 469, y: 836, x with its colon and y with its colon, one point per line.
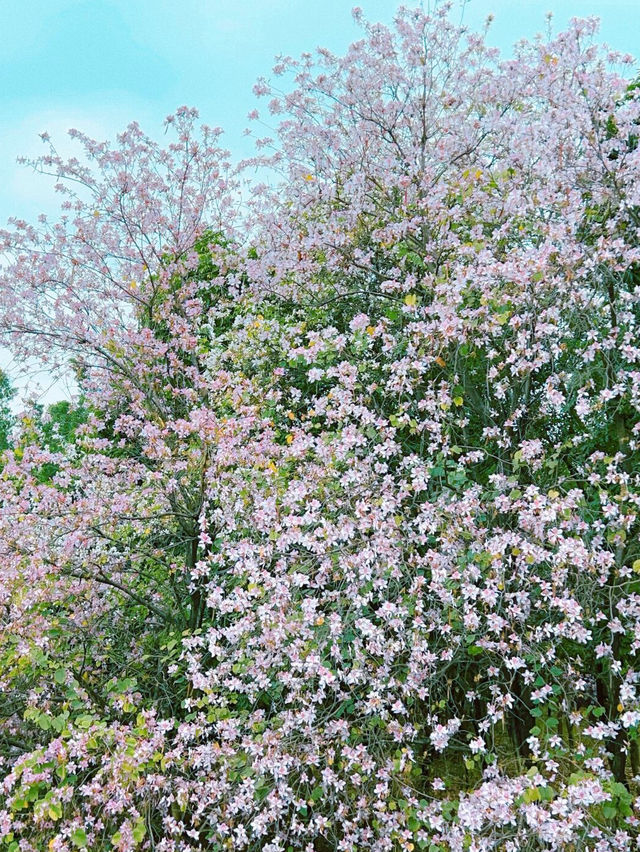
x: 343, y: 552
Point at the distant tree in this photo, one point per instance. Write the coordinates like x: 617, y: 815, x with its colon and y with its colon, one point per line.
x: 6, y: 416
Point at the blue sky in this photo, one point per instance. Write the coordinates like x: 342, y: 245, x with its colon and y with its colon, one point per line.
x: 98, y: 64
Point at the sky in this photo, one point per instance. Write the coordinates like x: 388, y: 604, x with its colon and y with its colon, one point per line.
x: 98, y: 64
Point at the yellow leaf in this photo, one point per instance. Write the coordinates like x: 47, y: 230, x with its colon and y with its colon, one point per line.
x: 55, y: 812
x: 289, y: 438
x: 411, y: 300
x: 636, y: 566
x: 441, y: 362
x: 371, y: 329
x: 457, y: 400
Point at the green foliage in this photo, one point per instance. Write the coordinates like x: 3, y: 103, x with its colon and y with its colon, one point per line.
x: 6, y: 417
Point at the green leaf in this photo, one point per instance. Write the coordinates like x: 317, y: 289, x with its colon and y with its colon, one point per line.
x: 79, y: 837
x: 139, y: 831
x: 621, y: 793
x: 43, y: 721
x: 55, y: 811
x: 59, y: 722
